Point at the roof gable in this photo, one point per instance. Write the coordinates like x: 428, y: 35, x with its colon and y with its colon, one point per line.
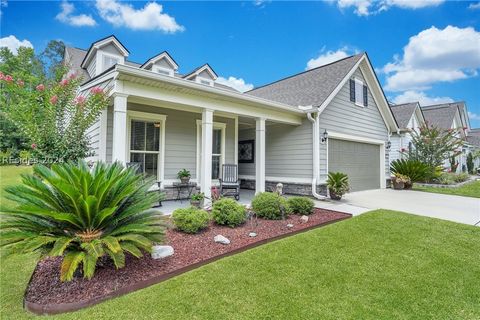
x: 403, y: 113
x: 162, y: 56
x: 201, y: 70
x: 443, y: 115
x: 308, y: 88
x: 101, y: 43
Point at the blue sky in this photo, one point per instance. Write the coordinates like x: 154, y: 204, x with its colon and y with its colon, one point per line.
x: 422, y: 50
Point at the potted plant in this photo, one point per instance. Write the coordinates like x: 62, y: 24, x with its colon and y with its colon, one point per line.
x: 184, y: 176
x: 197, y: 199
x: 337, y: 184
x: 399, y: 181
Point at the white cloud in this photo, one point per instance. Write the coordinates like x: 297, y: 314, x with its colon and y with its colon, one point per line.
x: 473, y: 116
x: 150, y: 17
x: 368, y: 7
x: 325, y: 57
x: 12, y: 43
x: 474, y: 6
x: 435, y: 55
x: 420, y: 96
x: 67, y: 17
x: 236, y: 83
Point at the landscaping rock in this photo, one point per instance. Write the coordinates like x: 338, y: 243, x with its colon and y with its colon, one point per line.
x: 289, y: 225
x: 160, y: 252
x: 304, y: 219
x: 252, y: 234
x: 221, y: 239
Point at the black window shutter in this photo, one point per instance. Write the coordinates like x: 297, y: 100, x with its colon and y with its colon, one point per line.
x: 352, y: 90
x: 365, y: 96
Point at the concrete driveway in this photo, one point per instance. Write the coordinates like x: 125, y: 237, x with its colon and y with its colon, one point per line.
x: 453, y: 208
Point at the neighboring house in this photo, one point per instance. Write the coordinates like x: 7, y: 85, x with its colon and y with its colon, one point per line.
x: 473, y: 139
x: 452, y: 116
x: 409, y: 118
x: 169, y: 121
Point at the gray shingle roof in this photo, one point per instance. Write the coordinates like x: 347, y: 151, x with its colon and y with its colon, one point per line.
x: 76, y: 57
x: 441, y: 115
x: 403, y: 113
x: 474, y: 139
x: 310, y: 87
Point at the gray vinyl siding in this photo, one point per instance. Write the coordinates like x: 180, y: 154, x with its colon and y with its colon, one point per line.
x: 288, y: 151
x: 112, y: 49
x: 343, y: 116
x: 109, y: 134
x: 92, y: 68
x: 93, y: 134
x: 180, y: 138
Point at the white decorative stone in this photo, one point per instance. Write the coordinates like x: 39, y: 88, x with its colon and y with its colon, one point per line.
x: 289, y: 225
x: 160, y: 252
x: 252, y: 234
x: 221, y: 239
x: 304, y: 219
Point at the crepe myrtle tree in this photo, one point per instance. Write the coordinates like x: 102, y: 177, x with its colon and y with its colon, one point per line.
x: 54, y: 116
x: 432, y: 145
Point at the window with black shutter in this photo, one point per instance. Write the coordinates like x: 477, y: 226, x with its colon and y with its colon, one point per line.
x: 358, y: 92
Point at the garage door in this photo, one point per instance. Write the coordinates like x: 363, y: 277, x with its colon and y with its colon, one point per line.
x: 361, y: 161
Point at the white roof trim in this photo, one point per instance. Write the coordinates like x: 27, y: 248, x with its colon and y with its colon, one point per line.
x: 205, y: 67
x: 119, y: 69
x: 382, y: 105
x: 99, y: 44
x: 163, y: 55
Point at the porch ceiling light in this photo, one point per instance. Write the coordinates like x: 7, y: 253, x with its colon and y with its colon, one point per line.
x: 156, y: 124
x: 325, y: 136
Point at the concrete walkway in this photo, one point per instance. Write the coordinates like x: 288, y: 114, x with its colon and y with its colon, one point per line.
x: 447, y: 207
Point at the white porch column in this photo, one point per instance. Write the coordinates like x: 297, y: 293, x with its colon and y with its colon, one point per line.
x: 206, y: 155
x: 119, y: 143
x: 260, y: 155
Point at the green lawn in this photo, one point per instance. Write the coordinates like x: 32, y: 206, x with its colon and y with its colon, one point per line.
x: 380, y: 265
x: 471, y: 189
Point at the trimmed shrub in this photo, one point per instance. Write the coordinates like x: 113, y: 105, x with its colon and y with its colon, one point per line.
x: 300, y: 205
x: 229, y: 212
x: 190, y: 220
x: 270, y: 206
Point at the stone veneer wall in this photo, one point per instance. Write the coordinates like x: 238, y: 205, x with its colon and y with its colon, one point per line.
x: 288, y: 187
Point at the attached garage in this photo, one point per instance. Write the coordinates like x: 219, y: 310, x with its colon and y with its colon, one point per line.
x: 361, y: 161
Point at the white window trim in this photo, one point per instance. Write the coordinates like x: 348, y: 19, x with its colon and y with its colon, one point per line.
x: 216, y: 125
x: 156, y: 69
x: 150, y: 117
x: 199, y: 79
x: 361, y: 83
x: 102, y: 55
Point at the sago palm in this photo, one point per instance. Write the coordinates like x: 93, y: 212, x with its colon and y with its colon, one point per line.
x: 81, y: 214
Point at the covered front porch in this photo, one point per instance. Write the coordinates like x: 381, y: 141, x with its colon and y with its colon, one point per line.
x: 168, y: 129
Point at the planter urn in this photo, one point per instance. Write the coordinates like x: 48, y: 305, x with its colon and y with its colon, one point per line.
x: 333, y: 195
x: 185, y: 180
x: 196, y: 203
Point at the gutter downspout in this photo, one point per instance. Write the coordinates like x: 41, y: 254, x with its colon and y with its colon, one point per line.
x: 316, y: 154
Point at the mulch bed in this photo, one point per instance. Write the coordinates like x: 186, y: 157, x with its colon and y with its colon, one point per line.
x: 47, y: 294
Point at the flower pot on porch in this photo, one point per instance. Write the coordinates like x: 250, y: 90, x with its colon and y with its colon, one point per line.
x: 185, y: 180
x: 196, y: 203
x: 333, y: 195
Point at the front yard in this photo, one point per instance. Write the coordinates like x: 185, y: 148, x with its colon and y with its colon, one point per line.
x: 380, y: 265
x: 471, y: 189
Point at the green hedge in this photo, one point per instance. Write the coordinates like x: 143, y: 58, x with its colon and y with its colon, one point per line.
x: 301, y: 205
x: 228, y: 212
x: 190, y: 220
x: 270, y: 206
